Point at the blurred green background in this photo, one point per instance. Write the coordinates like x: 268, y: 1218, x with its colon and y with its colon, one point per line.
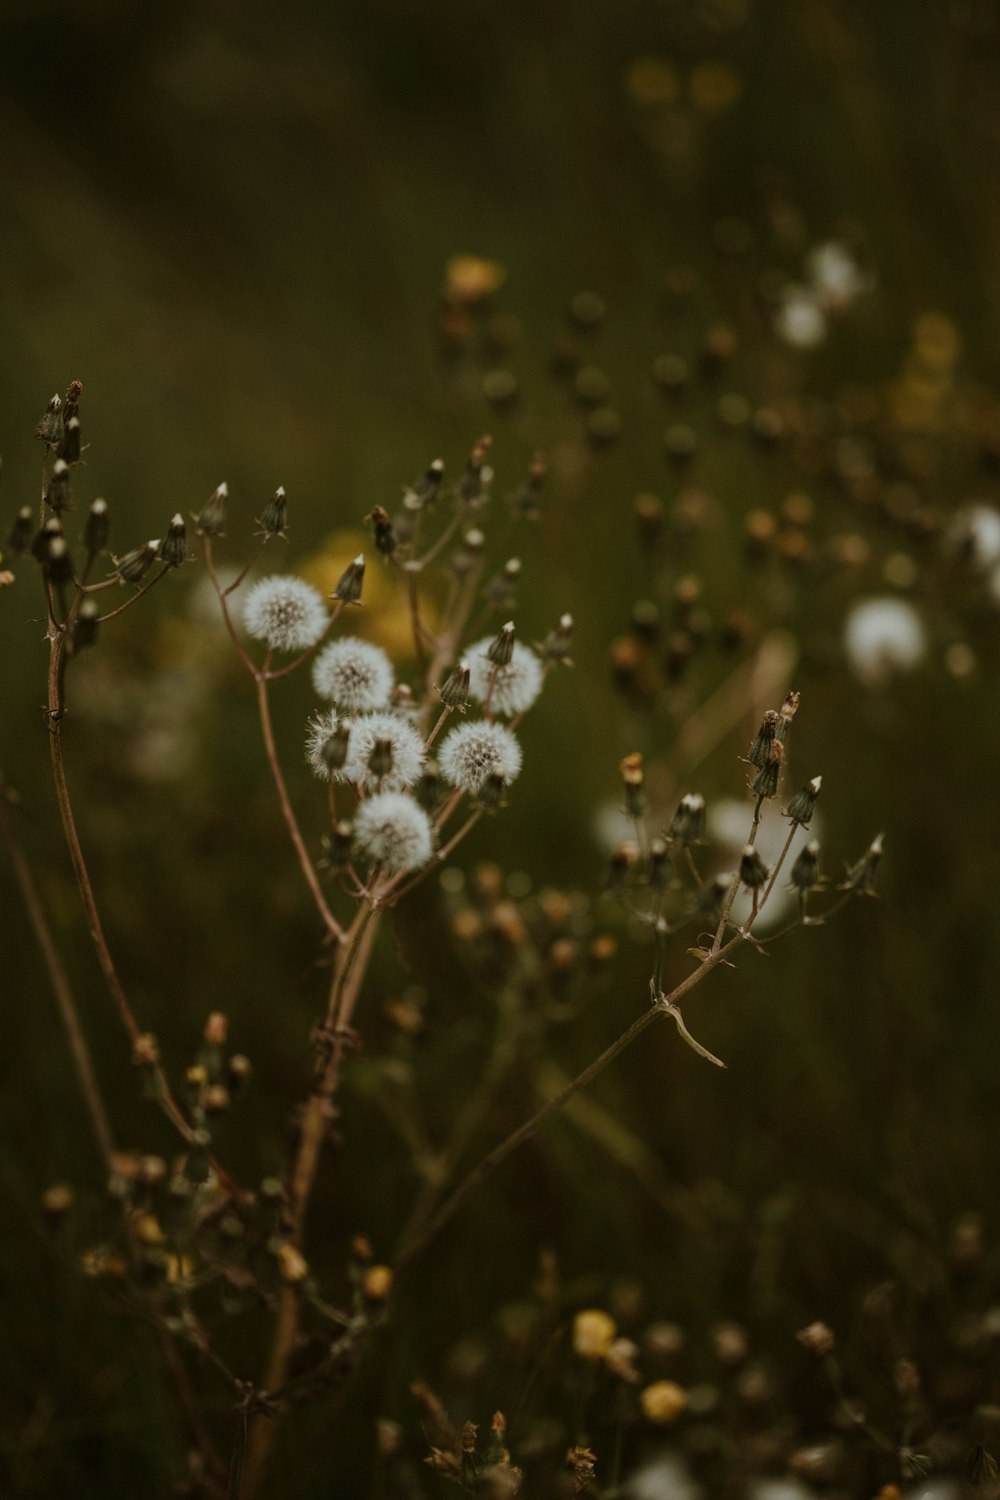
x: 234, y: 225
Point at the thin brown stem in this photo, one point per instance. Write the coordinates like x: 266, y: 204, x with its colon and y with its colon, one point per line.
x: 308, y: 869
x: 524, y: 1132
x: 734, y: 886
x: 139, y: 593
x: 224, y: 606
x: 60, y: 987
x: 435, y: 864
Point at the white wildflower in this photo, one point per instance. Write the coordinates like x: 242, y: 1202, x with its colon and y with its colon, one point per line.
x: 800, y: 320
x: 473, y: 752
x: 515, y: 686
x: 882, y: 636
x: 395, y: 831
x: 405, y: 745
x: 285, y: 611
x: 353, y: 674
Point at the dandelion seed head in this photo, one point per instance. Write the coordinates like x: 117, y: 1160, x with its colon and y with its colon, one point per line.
x: 515, y: 686
x: 395, y: 831
x: 319, y: 731
x: 882, y: 636
x: 404, y: 741
x: 353, y: 674
x: 285, y: 612
x: 473, y: 752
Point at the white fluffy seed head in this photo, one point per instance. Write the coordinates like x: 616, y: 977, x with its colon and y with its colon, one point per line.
x: 473, y: 752
x: 320, y: 729
x: 353, y: 674
x: 395, y: 831
x: 285, y: 612
x: 883, y: 636
x: 405, y: 743
x: 515, y: 686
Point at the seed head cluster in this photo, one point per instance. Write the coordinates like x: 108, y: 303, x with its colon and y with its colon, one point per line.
x: 354, y: 674
x: 394, y: 830
x: 472, y: 753
x: 515, y: 686
x: 285, y: 612
x: 405, y: 746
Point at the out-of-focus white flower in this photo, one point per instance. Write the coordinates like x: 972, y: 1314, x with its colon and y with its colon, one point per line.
x: 975, y: 531
x: 800, y: 320
x: 405, y: 745
x: 354, y: 674
x: 835, y: 275
x: 285, y: 611
x: 882, y: 636
x: 779, y: 1489
x: 394, y: 830
x: 728, y: 826
x: 515, y: 686
x: 473, y: 752
x: 664, y: 1478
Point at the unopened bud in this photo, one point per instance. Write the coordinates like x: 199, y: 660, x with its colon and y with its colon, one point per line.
x: 765, y: 783
x: 753, y: 870
x: 492, y: 793
x: 525, y: 499
x: 634, y: 780
x: 134, y: 566
x: 59, y: 563
x: 96, y: 527
x: 57, y: 490
x: 380, y: 759
x: 474, y: 483
x: 759, y: 751
x: 239, y: 1068
x: 805, y: 871
x: 788, y: 711
x: 801, y: 807
x: 216, y: 1029
x: 454, y: 691
x: 337, y: 846
x: 424, y: 491
x: 687, y: 825
x: 621, y: 862
x: 20, y: 534
x: 69, y: 447
x: 85, y: 629
x: 558, y: 644
x: 861, y: 876
x: 351, y: 581
x: 173, y: 549
x: 211, y: 519
x: 334, y: 748
x: 501, y: 648
x: 275, y: 517
x: 658, y: 865
x: 50, y: 428
x: 385, y: 540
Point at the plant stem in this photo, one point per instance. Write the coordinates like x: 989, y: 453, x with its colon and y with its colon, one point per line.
x: 60, y: 986
x: 333, y: 927
x: 412, y: 1248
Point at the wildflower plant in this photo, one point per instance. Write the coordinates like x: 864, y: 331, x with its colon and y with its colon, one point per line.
x: 408, y: 770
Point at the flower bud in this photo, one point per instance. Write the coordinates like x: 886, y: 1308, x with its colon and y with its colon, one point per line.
x: 385, y: 540
x: 491, y: 793
x: 337, y: 846
x: 658, y: 866
x: 634, y: 780
x: 57, y: 489
x: 788, y: 711
x: 85, y: 629
x: 351, y: 581
x: 861, y: 876
x: 687, y: 825
x: 473, y: 486
x: 173, y: 549
x: 760, y: 749
x: 801, y: 807
x: 501, y: 648
x: 380, y: 759
x: 134, y: 566
x: 69, y: 446
x: 454, y: 691
x: 50, y: 428
x: 96, y: 527
x: 21, y: 532
x: 211, y: 519
x: 805, y: 871
x: 765, y: 783
x: 44, y: 537
x: 753, y: 870
x: 621, y: 862
x: 275, y: 517
x: 559, y: 642
x: 58, y: 562
x: 425, y: 490
x: 524, y: 501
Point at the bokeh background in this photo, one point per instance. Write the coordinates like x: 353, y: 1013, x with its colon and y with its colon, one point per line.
x: 238, y: 226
